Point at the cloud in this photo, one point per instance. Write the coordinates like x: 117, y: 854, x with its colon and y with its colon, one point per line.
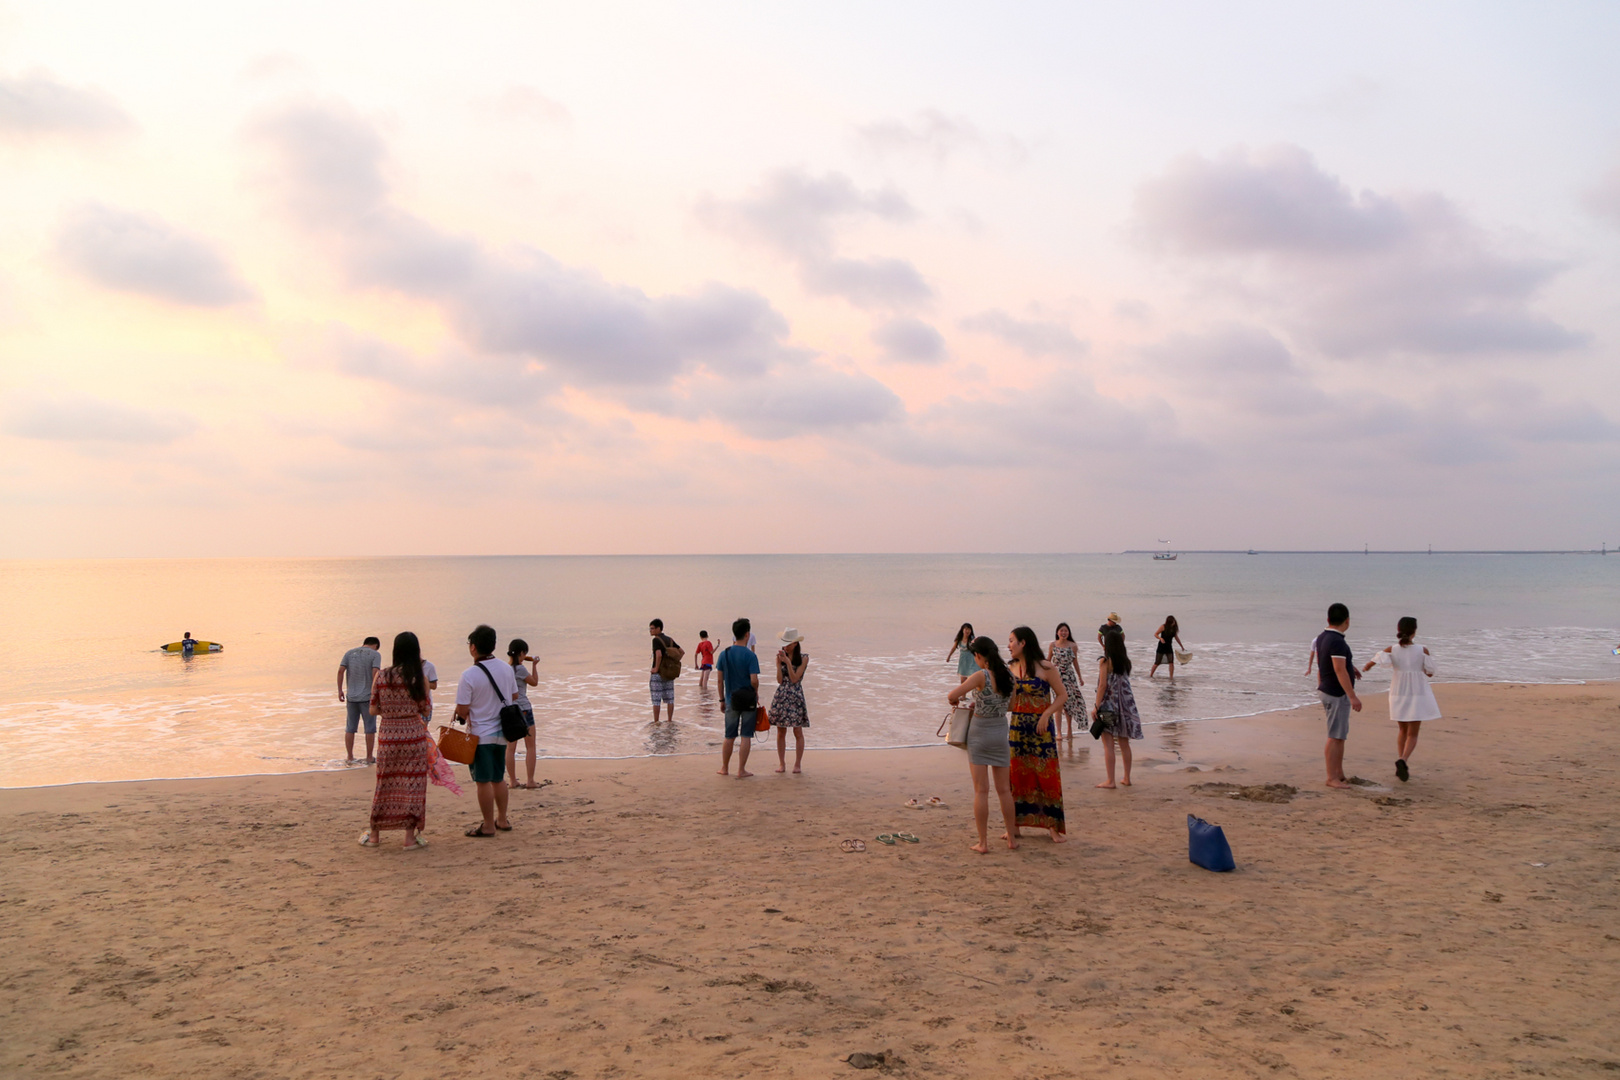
x: 935, y: 137
x: 1033, y: 337
x: 1355, y: 273
x: 328, y: 168
x: 1603, y: 197
x: 906, y: 338
x: 38, y: 105
x: 527, y: 103
x: 82, y: 419
x: 496, y: 382
x: 797, y: 216
x: 802, y: 399
x: 140, y: 254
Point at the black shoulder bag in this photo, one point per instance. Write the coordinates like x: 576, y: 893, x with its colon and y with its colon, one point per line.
x: 514, y: 728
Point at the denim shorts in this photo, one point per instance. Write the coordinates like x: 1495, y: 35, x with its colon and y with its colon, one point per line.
x: 528, y: 716
x: 489, y: 763
x: 357, y: 711
x: 736, y: 728
x: 1338, y: 714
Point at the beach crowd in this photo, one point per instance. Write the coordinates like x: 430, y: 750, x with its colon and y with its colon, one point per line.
x: 1007, y: 712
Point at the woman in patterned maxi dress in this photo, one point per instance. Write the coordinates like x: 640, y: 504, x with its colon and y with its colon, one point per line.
x: 1064, y: 653
x: 400, y: 700
x: 1038, y: 695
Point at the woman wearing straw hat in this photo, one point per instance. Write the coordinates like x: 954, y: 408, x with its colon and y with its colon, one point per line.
x: 787, y: 705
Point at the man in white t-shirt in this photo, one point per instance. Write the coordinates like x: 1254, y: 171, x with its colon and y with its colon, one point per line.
x: 484, y: 688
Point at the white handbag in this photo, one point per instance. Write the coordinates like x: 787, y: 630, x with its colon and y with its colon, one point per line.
x: 960, y: 719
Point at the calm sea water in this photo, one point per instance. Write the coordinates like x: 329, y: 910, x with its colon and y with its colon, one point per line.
x: 84, y: 695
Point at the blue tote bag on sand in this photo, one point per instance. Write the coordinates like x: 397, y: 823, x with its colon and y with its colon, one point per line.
x: 1207, y: 846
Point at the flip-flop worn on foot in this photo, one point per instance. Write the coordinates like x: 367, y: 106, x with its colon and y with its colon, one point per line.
x: 503, y: 828
x: 367, y: 841
x: 418, y: 846
x: 908, y: 838
x: 478, y: 831
x: 886, y: 838
x: 849, y: 846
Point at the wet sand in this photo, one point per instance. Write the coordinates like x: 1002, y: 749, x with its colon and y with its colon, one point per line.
x: 648, y: 918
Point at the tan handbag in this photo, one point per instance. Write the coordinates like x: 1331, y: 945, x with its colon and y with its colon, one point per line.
x: 457, y: 745
x: 960, y: 720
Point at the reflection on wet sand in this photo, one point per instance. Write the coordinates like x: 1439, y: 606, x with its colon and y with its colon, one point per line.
x: 1172, y: 736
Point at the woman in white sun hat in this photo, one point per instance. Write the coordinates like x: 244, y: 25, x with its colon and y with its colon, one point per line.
x: 787, y: 705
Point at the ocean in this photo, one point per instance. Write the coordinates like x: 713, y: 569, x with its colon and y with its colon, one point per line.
x: 85, y: 695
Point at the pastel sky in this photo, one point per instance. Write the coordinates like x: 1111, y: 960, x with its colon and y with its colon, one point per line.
x: 343, y: 278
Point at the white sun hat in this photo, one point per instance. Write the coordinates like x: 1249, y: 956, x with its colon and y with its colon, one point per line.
x: 790, y: 635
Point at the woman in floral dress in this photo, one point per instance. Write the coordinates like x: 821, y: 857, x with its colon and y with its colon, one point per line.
x: 1114, y: 695
x: 1038, y: 695
x: 787, y: 705
x: 1064, y: 653
x: 400, y: 701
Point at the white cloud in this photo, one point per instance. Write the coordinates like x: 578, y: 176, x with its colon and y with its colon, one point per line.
x: 84, y: 419
x: 137, y: 253
x: 39, y: 105
x: 1033, y: 337
x: 910, y: 339
x: 936, y: 137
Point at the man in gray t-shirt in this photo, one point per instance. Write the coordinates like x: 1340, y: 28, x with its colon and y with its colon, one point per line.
x: 358, y: 668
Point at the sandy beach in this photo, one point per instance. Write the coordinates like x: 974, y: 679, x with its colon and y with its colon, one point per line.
x: 649, y: 918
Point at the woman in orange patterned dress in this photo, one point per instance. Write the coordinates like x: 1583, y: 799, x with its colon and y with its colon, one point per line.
x: 1038, y: 696
x: 400, y: 701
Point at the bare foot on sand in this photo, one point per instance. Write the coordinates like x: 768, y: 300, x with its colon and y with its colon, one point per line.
x: 1106, y: 784
x: 1337, y: 783
x: 1125, y: 782
x: 797, y: 770
x: 1057, y: 837
x: 722, y: 772
x: 1012, y: 843
x: 743, y: 774
x: 982, y: 849
x: 781, y: 768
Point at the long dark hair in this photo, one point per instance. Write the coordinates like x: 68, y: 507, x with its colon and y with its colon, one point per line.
x: 1033, y: 656
x: 997, y: 666
x: 515, y: 650
x: 1406, y: 629
x: 1063, y: 626
x: 965, y: 629
x: 1113, y: 644
x: 1171, y: 628
x: 408, y: 662
x: 792, y: 652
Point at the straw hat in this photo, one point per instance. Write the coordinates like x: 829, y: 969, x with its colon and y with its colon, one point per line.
x: 1113, y: 616
x: 790, y: 635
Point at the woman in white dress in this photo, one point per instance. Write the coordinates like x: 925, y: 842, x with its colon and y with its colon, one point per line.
x: 1410, y: 700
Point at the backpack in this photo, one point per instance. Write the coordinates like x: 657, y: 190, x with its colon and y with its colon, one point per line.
x: 669, y: 668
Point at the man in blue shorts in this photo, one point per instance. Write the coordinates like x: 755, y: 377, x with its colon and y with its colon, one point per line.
x: 358, y: 667
x: 483, y: 689
x: 1336, y: 686
x: 739, y: 685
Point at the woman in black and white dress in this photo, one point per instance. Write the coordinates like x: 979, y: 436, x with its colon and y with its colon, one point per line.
x: 787, y: 704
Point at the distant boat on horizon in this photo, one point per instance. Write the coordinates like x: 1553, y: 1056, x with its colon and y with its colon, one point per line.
x: 1164, y: 556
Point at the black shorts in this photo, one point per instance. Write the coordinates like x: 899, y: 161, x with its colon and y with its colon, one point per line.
x: 1163, y: 655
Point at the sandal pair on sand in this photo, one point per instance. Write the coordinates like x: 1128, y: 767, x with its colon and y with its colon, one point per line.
x: 924, y: 804
x: 365, y: 841
x: 890, y: 838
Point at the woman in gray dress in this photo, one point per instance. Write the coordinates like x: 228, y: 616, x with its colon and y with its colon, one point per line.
x: 989, y: 754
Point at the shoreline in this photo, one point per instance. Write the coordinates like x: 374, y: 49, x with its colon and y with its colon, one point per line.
x: 341, y: 769
x: 654, y: 919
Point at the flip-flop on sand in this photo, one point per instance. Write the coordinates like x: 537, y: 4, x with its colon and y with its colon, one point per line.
x: 907, y: 837
x: 849, y: 846
x: 503, y: 828
x: 478, y: 831
x: 418, y: 846
x: 886, y: 838
x: 914, y: 804
x: 935, y: 800
x: 365, y: 840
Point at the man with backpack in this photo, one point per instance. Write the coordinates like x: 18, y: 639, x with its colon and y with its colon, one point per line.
x: 666, y: 668
x: 739, y: 697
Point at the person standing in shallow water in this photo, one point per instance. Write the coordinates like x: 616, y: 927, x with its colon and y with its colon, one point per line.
x: 1411, y: 701
x: 355, y: 672
x: 787, y: 704
x: 1168, y: 636
x: 962, y: 649
x: 988, y: 746
x: 738, y: 668
x: 1038, y: 697
x: 1064, y: 654
x: 1115, y: 695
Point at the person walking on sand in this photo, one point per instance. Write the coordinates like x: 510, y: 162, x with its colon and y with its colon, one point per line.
x: 484, y: 688
x: 517, y: 654
x: 739, y: 697
x: 988, y: 746
x: 355, y: 672
x: 1114, y: 695
x: 1411, y: 701
x: 666, y: 668
x: 704, y: 660
x: 1064, y: 654
x: 1038, y: 696
x: 400, y: 701
x: 1336, y: 686
x: 962, y: 649
x: 787, y: 704
x: 1168, y: 636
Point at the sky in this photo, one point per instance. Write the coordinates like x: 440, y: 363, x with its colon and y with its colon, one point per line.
x: 341, y: 278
